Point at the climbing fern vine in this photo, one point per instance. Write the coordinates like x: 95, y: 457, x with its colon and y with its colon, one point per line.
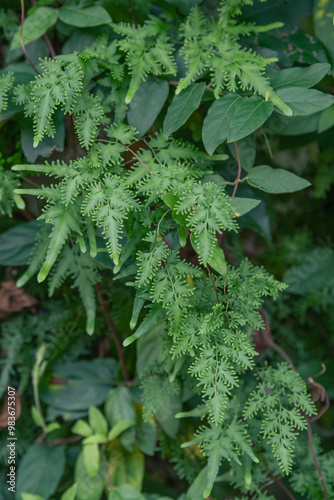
x: 138, y: 202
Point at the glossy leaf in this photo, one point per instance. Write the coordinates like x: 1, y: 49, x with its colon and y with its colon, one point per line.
x: 275, y: 180
x: 249, y: 116
x: 217, y: 121
x: 305, y: 101
x: 183, y: 105
x: 35, y: 26
x: 84, y: 18
x: 147, y: 104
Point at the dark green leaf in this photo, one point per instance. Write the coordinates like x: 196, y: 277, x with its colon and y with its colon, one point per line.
x: 217, y: 121
x: 275, y: 180
x: 147, y: 104
x: 84, y: 18
x: 149, y: 348
x: 326, y: 120
x: 249, y: 116
x: 242, y: 206
x: 148, y: 322
x: 182, y: 107
x: 166, y: 412
x: 119, y: 406
x: 16, y: 244
x: 313, y: 274
x: 293, y: 125
x: 48, y: 144
x: 196, y: 490
x: 305, y: 101
x: 300, y: 77
x: 40, y: 470
x: 87, y: 384
x: 35, y: 26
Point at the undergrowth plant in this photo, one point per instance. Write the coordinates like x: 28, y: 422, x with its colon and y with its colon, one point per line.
x: 163, y: 106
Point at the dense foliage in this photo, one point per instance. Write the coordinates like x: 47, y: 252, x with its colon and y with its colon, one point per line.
x: 165, y: 173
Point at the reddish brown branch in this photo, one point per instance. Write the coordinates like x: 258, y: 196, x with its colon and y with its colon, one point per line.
x: 21, y: 38
x: 113, y: 331
x: 239, y: 170
x: 214, y: 285
x: 69, y: 440
x: 134, y: 154
x: 50, y: 46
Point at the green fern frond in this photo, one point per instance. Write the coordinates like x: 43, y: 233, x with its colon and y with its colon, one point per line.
x: 6, y: 83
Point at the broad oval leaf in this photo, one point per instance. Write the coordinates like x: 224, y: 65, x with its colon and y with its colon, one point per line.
x: 183, y: 105
x: 119, y: 406
x: 87, y: 383
x: 249, y: 116
x: 275, y: 180
x: 300, y: 77
x: 84, y: 18
x: 17, y: 243
x: 217, y: 121
x: 40, y: 470
x: 242, y: 206
x: 35, y: 26
x: 147, y: 104
x: 305, y: 101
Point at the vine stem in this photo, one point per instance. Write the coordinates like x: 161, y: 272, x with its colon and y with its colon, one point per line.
x: 134, y: 154
x: 214, y: 285
x: 113, y: 331
x: 239, y: 170
x: 21, y: 38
